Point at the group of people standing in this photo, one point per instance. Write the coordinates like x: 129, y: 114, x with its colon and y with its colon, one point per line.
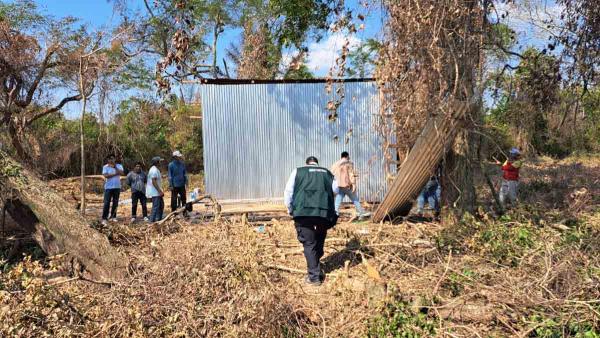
x: 313, y: 196
x: 144, y: 186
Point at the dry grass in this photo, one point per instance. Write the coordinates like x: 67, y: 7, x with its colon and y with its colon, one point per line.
x: 514, y: 276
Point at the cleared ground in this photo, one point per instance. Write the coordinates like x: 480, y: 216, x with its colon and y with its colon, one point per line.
x: 533, y: 272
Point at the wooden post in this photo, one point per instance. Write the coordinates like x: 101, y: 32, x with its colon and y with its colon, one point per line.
x: 82, y: 90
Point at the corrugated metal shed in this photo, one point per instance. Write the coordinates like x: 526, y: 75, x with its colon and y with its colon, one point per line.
x: 255, y: 134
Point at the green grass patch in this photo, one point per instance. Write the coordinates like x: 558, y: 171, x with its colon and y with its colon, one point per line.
x: 398, y: 319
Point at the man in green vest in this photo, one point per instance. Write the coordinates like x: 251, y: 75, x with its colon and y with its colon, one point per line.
x: 309, y: 200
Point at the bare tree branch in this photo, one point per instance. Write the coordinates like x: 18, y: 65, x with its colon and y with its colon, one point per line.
x: 40, y: 75
x: 53, y: 109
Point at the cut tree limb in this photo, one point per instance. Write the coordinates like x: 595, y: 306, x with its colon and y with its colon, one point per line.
x: 55, y: 225
x: 213, y: 201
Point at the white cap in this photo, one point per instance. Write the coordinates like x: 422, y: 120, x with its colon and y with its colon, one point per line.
x: 176, y: 153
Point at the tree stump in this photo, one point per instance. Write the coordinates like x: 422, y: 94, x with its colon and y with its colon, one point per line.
x: 54, y: 224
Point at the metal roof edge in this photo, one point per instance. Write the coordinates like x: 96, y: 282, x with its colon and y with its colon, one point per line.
x: 259, y: 81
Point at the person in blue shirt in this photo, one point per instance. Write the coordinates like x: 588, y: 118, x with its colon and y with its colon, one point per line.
x: 431, y: 194
x: 137, y: 180
x: 112, y: 172
x: 177, y: 180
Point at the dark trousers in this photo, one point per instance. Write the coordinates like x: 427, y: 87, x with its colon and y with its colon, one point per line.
x: 158, y: 206
x: 135, y: 197
x: 177, y: 195
x: 311, y: 233
x: 110, y: 195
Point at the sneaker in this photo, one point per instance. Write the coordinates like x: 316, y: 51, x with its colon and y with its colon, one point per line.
x: 364, y: 215
x: 114, y: 219
x: 311, y: 283
x: 104, y: 222
x: 146, y: 219
x: 132, y: 219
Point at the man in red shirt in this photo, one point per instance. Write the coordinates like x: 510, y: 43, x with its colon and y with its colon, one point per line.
x: 510, y: 177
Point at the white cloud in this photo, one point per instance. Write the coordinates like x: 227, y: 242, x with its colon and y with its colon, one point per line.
x: 322, y: 55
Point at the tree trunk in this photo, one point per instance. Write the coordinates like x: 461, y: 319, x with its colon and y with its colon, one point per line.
x: 57, y: 227
x: 17, y: 144
x: 82, y: 143
x: 214, y: 46
x: 458, y: 189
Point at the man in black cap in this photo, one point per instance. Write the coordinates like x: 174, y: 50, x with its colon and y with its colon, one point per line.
x: 310, y: 201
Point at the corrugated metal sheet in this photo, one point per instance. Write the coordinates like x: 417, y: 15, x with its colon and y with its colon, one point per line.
x: 256, y: 134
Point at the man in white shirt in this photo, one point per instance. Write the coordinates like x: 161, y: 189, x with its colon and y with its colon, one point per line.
x: 112, y: 172
x: 154, y: 190
x: 309, y: 199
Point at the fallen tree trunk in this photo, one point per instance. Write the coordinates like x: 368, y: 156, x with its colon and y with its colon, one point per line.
x: 423, y: 158
x: 54, y: 224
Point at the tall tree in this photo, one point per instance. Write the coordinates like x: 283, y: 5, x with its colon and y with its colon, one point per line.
x: 35, y: 60
x: 97, y: 61
x: 580, y: 38
x: 269, y: 26
x: 433, y: 58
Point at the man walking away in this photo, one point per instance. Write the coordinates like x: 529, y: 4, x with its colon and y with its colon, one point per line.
x: 510, y: 177
x: 177, y: 180
x: 112, y: 188
x: 309, y: 200
x: 137, y: 180
x: 154, y: 190
x: 346, y: 179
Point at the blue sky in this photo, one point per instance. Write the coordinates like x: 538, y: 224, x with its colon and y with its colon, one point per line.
x: 99, y: 14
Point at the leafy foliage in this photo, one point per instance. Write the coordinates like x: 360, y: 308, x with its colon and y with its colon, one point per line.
x: 140, y: 130
x: 398, y: 320
x: 362, y: 59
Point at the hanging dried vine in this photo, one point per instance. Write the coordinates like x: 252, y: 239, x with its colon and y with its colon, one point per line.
x: 430, y: 59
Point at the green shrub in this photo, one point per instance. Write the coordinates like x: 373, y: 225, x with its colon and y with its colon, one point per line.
x: 399, y: 320
x: 501, y: 240
x: 456, y: 282
x: 505, y: 244
x: 554, y: 328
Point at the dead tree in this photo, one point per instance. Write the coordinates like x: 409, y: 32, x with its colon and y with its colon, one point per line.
x: 54, y: 224
x: 431, y: 58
